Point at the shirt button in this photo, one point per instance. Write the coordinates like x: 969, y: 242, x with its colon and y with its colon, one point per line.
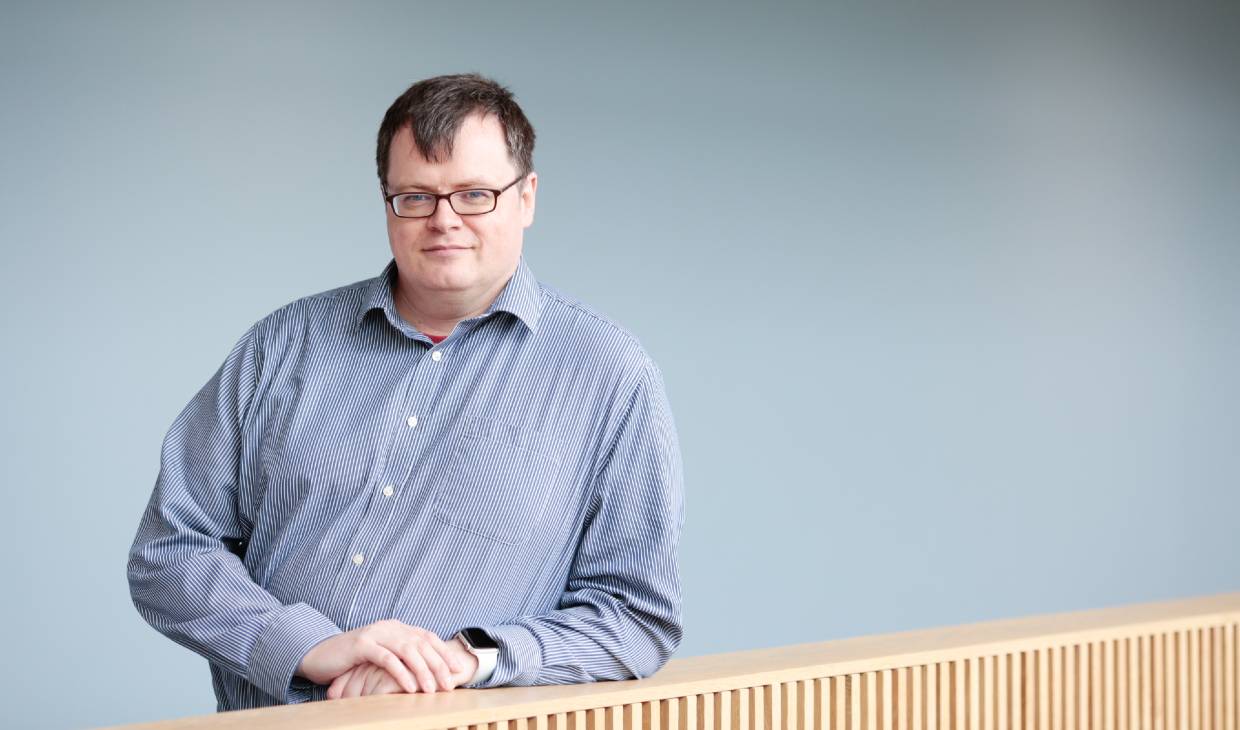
x: 358, y: 559
x: 389, y: 490
x: 412, y: 421
x: 436, y: 355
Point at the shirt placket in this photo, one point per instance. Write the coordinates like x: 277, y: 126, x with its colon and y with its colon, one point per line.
x: 412, y: 420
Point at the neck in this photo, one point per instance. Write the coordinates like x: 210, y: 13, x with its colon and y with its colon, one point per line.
x: 438, y: 312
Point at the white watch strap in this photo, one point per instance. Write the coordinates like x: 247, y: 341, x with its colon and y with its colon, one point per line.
x: 487, y: 659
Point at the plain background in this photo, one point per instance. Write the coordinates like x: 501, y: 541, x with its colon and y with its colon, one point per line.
x: 947, y: 296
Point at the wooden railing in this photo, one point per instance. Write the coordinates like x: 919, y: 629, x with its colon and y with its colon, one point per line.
x: 1161, y: 666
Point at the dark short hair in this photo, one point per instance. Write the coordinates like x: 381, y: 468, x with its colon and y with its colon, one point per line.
x: 435, y: 108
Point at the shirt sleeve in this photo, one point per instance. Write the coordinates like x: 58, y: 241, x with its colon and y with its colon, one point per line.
x: 620, y: 614
x: 183, y: 578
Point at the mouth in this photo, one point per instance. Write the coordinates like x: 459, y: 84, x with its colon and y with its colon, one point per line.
x: 445, y: 250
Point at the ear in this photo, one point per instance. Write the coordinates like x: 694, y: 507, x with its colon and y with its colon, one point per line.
x: 528, y: 194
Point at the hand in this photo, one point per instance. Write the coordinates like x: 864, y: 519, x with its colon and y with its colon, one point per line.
x: 413, y: 657
x: 370, y: 679
x: 362, y: 680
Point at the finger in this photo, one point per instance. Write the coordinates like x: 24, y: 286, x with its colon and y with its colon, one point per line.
x: 435, y: 662
x: 385, y: 658
x: 333, y: 691
x: 387, y: 685
x: 417, y: 664
x: 445, y: 651
x: 353, y: 688
x: 373, y: 679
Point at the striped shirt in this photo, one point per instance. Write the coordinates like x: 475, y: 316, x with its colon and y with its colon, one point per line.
x: 522, y: 476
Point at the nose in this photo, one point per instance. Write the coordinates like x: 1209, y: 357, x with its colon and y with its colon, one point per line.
x: 444, y: 218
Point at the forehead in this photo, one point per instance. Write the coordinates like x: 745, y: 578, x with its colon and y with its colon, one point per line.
x: 478, y: 151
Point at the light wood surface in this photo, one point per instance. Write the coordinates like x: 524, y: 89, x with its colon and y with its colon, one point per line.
x: 1170, y: 665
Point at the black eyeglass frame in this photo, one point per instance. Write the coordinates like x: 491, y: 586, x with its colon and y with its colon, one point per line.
x: 441, y: 196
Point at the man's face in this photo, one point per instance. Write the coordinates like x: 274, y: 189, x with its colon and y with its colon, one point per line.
x: 470, y: 255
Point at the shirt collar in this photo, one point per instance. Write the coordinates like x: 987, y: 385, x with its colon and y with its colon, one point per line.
x: 521, y: 296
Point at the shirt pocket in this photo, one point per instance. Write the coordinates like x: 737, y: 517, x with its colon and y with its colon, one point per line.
x: 498, y: 480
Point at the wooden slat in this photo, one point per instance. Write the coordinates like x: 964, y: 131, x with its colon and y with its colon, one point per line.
x: 1194, y: 679
x: 855, y: 717
x: 811, y: 704
x: 945, y: 696
x: 841, y: 700
x: 1043, y: 690
x: 1231, y: 687
x: 1183, y: 701
x: 1159, y: 664
x: 774, y: 707
x: 1057, y: 688
x: 689, y: 712
x: 791, y: 704
x: 1231, y: 677
x: 724, y: 719
x: 1205, y: 659
x: 1218, y: 692
x: 886, y: 700
x: 960, y: 706
x: 1113, y: 671
x: 670, y: 709
x: 917, y: 704
x: 1094, y: 710
x: 631, y: 717
x: 1001, y: 692
x: 740, y: 702
x: 973, y: 692
x: 869, y: 701
x: 1145, y: 683
x: 1016, y: 685
x: 1124, y: 688
x: 901, y: 699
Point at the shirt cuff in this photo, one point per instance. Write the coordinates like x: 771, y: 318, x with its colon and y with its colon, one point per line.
x: 520, y: 655
x: 294, y: 631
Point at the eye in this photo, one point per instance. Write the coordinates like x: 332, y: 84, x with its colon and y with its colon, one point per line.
x: 474, y: 195
x: 415, y: 198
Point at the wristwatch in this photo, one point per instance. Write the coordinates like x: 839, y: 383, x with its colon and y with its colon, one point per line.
x: 480, y: 644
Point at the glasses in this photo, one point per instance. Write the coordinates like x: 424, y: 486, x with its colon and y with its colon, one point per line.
x: 464, y: 202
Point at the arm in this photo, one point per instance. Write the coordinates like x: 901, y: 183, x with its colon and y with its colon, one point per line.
x: 183, y: 579
x: 620, y: 614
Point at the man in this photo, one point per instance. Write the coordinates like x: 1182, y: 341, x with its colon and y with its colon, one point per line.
x: 448, y: 475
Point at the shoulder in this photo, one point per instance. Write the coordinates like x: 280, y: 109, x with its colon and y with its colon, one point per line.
x: 586, y: 333
x: 324, y: 310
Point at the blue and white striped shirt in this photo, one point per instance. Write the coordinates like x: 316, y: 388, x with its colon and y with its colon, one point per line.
x: 522, y: 476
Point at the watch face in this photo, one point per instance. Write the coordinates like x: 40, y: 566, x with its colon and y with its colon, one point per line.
x: 478, y: 639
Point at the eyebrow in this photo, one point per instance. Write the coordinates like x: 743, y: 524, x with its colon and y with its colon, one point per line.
x: 463, y: 185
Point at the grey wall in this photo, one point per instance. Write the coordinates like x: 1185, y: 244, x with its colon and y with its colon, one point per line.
x: 946, y: 296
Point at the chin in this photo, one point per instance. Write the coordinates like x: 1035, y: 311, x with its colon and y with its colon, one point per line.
x: 447, y: 279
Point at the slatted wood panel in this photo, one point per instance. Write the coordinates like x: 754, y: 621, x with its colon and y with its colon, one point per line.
x: 1179, y: 680
x: 1168, y: 666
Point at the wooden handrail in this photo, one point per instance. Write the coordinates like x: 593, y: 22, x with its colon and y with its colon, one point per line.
x: 1164, y: 666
